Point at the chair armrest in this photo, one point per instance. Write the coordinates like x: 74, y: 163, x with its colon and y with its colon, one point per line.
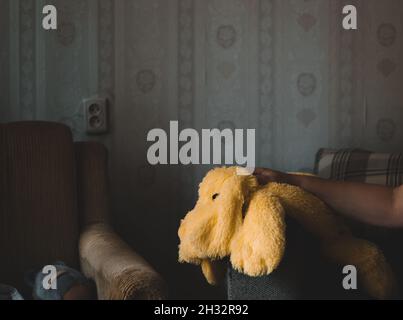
x: 119, y: 273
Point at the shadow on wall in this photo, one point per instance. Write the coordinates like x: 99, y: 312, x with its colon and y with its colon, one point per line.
x: 152, y: 231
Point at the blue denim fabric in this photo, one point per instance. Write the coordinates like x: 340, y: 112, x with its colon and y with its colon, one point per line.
x: 9, y: 293
x: 66, y: 279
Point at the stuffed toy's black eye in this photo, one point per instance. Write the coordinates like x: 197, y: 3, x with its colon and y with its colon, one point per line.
x: 215, y: 196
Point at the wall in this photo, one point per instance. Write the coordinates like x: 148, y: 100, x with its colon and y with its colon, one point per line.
x: 4, y: 59
x: 50, y: 72
x: 380, y: 51
x: 283, y: 67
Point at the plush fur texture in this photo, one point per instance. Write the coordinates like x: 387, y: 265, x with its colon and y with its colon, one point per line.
x: 235, y: 217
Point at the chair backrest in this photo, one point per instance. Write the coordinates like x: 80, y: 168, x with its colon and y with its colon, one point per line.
x: 92, y: 182
x: 38, y: 207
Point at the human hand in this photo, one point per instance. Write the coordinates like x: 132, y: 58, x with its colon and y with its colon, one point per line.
x: 265, y: 176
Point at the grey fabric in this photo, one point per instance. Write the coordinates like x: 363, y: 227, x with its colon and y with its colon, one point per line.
x: 303, y: 274
x: 281, y: 285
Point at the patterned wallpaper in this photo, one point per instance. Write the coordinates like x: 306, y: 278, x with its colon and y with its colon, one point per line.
x: 4, y: 57
x: 51, y: 72
x: 283, y: 67
x: 382, y: 76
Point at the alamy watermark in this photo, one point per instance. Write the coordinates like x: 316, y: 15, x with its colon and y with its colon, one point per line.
x: 49, y: 281
x: 350, y: 280
x: 211, y: 146
x: 49, y: 20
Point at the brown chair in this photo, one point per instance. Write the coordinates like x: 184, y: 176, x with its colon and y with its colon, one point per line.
x: 54, y: 206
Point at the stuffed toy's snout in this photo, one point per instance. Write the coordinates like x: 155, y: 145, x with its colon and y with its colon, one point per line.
x: 235, y: 217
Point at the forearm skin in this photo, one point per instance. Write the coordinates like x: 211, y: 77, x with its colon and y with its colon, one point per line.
x: 372, y: 204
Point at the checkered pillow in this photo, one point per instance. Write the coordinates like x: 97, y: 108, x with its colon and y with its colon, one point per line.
x: 360, y: 166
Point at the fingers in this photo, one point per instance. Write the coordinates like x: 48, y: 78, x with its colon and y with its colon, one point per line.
x: 263, y: 175
x: 263, y: 180
x: 262, y: 172
x: 259, y: 171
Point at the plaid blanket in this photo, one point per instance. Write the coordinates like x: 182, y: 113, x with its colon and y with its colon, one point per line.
x: 360, y: 166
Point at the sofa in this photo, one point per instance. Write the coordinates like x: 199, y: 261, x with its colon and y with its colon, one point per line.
x: 304, y: 274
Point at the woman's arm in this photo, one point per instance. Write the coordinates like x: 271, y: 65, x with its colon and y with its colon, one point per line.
x: 373, y: 204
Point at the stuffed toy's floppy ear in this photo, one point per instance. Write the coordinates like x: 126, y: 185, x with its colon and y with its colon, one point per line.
x: 207, y: 230
x: 214, y: 270
x: 374, y: 272
x: 229, y: 203
x: 258, y: 247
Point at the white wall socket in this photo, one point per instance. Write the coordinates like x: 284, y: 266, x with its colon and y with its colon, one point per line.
x: 96, y: 115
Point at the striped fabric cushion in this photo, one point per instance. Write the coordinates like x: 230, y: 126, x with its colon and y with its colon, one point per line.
x: 360, y: 166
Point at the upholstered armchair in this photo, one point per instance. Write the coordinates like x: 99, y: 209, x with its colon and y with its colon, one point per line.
x: 54, y: 207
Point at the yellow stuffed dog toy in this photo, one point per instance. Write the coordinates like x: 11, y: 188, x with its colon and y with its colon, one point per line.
x: 236, y: 217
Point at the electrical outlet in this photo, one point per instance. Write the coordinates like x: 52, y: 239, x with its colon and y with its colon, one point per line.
x: 96, y: 115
